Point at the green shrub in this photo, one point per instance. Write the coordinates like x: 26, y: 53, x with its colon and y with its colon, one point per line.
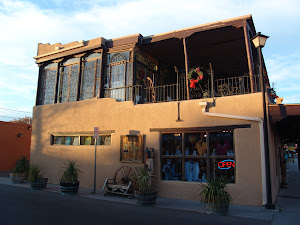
x: 143, y: 182
x: 214, y: 191
x: 34, y: 173
x: 22, y: 165
x: 70, y: 172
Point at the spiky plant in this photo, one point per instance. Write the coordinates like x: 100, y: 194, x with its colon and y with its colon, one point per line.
x: 22, y: 165
x: 34, y: 173
x: 70, y: 172
x: 143, y: 182
x: 214, y: 191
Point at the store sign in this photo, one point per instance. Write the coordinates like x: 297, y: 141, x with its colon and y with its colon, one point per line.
x: 226, y: 164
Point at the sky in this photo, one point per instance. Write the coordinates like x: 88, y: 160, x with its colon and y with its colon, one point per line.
x: 24, y: 24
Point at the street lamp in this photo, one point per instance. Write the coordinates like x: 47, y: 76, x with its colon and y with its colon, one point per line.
x: 259, y: 42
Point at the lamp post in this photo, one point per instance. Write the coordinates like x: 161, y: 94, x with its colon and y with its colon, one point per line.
x: 259, y: 41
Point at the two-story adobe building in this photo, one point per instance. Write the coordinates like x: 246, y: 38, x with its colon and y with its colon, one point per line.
x: 144, y: 92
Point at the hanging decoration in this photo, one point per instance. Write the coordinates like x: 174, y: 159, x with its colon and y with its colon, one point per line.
x: 194, y: 76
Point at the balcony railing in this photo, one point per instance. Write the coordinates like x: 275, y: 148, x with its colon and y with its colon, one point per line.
x: 236, y: 85
x: 173, y: 92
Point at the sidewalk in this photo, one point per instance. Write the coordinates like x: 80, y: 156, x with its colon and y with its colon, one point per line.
x: 194, y: 206
x: 288, y: 199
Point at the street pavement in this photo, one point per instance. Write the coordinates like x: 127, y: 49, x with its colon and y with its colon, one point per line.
x: 19, y: 205
x: 22, y: 206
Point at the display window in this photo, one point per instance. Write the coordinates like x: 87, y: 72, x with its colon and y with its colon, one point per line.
x: 196, y: 156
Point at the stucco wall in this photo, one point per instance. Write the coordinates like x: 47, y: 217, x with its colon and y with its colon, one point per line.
x: 124, y: 117
x: 13, y: 146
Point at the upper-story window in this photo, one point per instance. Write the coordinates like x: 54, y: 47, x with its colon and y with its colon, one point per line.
x: 48, y: 84
x: 67, y: 85
x: 119, y: 78
x: 68, y: 81
x: 90, y: 86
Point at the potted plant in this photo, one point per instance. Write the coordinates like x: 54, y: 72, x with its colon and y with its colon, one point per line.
x: 215, y: 196
x: 37, y: 182
x: 20, y: 172
x: 69, y: 183
x: 144, y: 194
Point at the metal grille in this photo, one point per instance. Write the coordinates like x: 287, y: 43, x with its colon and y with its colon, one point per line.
x: 65, y: 84
x: 73, y: 83
x: 88, y: 80
x: 49, y: 93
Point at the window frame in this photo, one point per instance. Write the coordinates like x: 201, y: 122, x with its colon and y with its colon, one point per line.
x: 80, y: 135
x: 97, y: 69
x: 209, y: 157
x: 129, y: 149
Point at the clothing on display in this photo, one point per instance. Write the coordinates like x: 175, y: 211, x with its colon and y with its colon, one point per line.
x: 222, y: 148
x: 201, y: 147
x: 167, y: 171
x: 192, y: 171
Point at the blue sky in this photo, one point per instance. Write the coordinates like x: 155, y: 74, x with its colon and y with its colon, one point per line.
x: 24, y: 24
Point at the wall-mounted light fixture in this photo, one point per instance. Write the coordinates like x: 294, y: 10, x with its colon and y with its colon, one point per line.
x: 29, y: 127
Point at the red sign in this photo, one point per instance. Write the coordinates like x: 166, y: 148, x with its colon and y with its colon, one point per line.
x: 96, y: 132
x: 226, y: 164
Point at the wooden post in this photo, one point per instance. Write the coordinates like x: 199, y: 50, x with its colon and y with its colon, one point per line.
x: 79, y: 78
x: 186, y: 69
x: 249, y: 57
x: 212, y: 94
x: 40, y: 87
x: 57, y: 84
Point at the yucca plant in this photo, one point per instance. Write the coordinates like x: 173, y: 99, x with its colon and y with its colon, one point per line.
x: 22, y: 165
x: 214, y: 191
x: 143, y: 182
x: 34, y: 173
x: 71, y: 172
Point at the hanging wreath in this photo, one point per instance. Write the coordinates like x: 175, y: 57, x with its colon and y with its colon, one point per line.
x: 195, y: 76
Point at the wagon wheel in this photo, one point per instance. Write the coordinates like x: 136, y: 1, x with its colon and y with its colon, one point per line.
x: 125, y: 174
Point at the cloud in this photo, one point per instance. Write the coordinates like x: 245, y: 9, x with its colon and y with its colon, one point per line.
x: 26, y: 23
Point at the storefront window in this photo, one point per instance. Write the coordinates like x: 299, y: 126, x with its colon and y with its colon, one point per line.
x: 191, y: 157
x: 172, y: 156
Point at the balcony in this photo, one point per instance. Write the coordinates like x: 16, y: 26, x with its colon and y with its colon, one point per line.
x: 141, y: 94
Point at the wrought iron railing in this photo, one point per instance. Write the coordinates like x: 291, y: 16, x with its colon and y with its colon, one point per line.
x: 236, y: 85
x: 172, y: 92
x: 163, y: 93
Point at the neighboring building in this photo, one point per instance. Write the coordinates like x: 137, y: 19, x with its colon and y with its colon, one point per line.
x: 15, y: 141
x: 137, y: 91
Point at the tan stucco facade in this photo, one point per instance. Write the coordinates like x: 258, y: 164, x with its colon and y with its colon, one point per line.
x: 126, y: 117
